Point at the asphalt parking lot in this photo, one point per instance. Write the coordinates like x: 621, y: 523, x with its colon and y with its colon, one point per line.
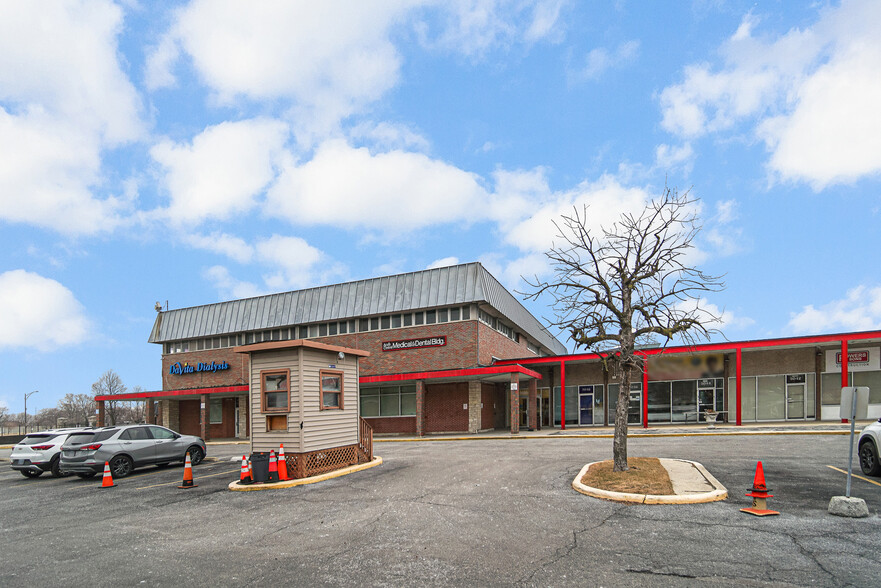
x: 488, y: 512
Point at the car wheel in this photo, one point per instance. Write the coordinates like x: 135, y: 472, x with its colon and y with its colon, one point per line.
x: 121, y: 466
x: 869, y: 459
x: 85, y: 475
x: 30, y: 473
x: 56, y: 469
x: 196, y: 455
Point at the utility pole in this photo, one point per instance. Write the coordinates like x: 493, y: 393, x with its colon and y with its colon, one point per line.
x: 26, y: 396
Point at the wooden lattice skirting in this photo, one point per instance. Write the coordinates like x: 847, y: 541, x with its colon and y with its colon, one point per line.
x: 304, y: 465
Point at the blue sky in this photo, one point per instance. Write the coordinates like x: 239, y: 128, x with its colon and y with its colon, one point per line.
x: 203, y: 151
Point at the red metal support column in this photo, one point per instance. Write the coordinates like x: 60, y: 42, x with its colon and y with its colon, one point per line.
x: 562, y: 395
x: 514, y: 391
x: 203, y: 417
x: 645, y: 393
x: 737, y: 383
x: 844, y: 368
x: 100, y: 422
x: 420, y: 407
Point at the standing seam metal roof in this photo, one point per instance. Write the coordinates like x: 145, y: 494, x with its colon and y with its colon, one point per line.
x: 460, y: 284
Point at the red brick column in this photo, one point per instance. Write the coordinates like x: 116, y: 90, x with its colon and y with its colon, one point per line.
x: 203, y: 417
x: 515, y: 404
x: 420, y: 407
x: 148, y: 411
x: 531, y: 409
x: 100, y: 413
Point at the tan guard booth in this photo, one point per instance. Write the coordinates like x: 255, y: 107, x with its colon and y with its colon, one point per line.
x: 304, y: 394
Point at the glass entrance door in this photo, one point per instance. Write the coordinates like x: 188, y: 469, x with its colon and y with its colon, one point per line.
x: 706, y: 400
x: 585, y: 408
x: 795, y: 401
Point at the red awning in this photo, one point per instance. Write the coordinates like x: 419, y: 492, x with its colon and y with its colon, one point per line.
x: 167, y: 393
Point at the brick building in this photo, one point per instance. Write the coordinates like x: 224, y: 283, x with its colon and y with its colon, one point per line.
x: 432, y: 337
x: 451, y: 350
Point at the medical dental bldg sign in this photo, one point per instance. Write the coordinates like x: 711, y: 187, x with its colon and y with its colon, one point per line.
x: 177, y: 369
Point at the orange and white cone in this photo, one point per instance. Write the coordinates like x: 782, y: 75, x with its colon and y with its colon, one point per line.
x: 245, y: 476
x: 282, y: 465
x: 188, y: 474
x: 107, y: 482
x: 760, y: 494
x: 273, y: 467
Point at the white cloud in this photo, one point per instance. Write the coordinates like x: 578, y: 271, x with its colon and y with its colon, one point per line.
x: 39, y: 312
x: 229, y: 245
x: 713, y: 317
x: 294, y: 259
x: 859, y: 310
x: 396, y: 191
x: 668, y: 157
x: 229, y: 287
x: 443, y: 262
x: 600, y: 60
x: 222, y: 171
x: 811, y: 95
x: 389, y: 136
x: 64, y: 99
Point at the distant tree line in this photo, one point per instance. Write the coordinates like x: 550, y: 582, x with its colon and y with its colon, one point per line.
x: 78, y: 410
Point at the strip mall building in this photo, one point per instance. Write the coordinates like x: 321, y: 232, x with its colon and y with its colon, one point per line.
x: 451, y: 350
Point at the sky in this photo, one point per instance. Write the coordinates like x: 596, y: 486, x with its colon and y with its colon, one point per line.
x: 193, y: 152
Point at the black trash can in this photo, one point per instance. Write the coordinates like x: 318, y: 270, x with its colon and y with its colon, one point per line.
x: 260, y: 466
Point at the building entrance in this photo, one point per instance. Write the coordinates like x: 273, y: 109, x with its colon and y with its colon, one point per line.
x: 795, y: 397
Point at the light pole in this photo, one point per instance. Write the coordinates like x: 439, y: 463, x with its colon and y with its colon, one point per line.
x: 26, y: 396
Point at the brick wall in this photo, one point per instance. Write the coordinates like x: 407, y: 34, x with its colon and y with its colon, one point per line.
x: 444, y: 410
x: 494, y: 344
x: 393, y: 424
x: 237, y: 374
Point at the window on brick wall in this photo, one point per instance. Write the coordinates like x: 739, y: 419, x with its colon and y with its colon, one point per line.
x: 388, y: 401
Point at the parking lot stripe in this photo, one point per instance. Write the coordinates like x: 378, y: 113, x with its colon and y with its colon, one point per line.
x: 176, y: 483
x: 854, y: 475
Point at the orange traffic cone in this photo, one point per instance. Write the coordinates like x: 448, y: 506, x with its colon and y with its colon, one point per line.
x: 250, y: 471
x: 760, y: 494
x: 273, y: 467
x: 188, y: 474
x: 107, y: 482
x: 282, y: 465
x: 245, y: 476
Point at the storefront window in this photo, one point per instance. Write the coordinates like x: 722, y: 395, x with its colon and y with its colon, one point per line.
x: 771, y: 398
x: 659, y: 402
x: 571, y: 405
x: 684, y: 400
x: 388, y: 401
x: 873, y: 381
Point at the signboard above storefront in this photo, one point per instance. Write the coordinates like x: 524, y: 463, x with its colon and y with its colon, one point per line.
x: 414, y: 343
x: 858, y: 360
x: 179, y: 369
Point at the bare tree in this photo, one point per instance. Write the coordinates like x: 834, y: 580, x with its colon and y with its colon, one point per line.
x: 77, y: 408
x: 46, y: 418
x: 109, y: 384
x: 628, y: 285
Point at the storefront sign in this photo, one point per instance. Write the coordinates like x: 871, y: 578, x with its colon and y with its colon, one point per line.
x: 178, y: 369
x: 414, y: 343
x: 858, y: 360
x: 795, y: 379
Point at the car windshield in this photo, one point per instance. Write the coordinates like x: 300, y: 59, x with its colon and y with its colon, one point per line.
x: 89, y: 437
x: 41, y: 438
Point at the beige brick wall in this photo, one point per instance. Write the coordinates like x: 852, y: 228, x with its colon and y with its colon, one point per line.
x: 474, y: 399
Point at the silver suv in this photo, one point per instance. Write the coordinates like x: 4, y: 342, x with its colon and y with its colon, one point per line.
x: 40, y: 452
x: 125, y: 448
x: 869, y: 445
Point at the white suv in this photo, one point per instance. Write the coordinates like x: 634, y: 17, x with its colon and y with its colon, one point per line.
x: 40, y: 452
x: 869, y: 444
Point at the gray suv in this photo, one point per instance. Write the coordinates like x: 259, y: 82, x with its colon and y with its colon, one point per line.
x: 125, y: 448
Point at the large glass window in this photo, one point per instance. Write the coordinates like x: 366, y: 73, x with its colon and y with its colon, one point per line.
x: 388, y: 401
x: 873, y: 381
x: 684, y: 396
x: 275, y: 390
x: 771, y: 398
x: 659, y: 402
x: 571, y: 405
x: 215, y: 411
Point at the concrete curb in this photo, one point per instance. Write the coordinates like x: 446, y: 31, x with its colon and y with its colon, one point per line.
x: 599, y: 436
x: 718, y: 493
x: 235, y: 486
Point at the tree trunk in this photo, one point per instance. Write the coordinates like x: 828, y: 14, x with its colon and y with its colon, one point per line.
x: 619, y: 444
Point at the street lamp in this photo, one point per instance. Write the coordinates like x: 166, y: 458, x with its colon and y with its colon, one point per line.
x: 26, y: 396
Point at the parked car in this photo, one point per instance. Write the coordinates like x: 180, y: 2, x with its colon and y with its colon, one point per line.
x: 869, y: 443
x: 40, y: 452
x: 125, y: 448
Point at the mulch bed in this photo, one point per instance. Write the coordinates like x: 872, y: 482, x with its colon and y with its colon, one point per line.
x: 645, y: 476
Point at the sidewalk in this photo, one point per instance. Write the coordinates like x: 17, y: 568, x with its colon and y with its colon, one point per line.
x: 772, y: 428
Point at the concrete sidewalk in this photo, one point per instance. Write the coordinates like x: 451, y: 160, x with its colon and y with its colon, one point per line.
x: 772, y: 428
